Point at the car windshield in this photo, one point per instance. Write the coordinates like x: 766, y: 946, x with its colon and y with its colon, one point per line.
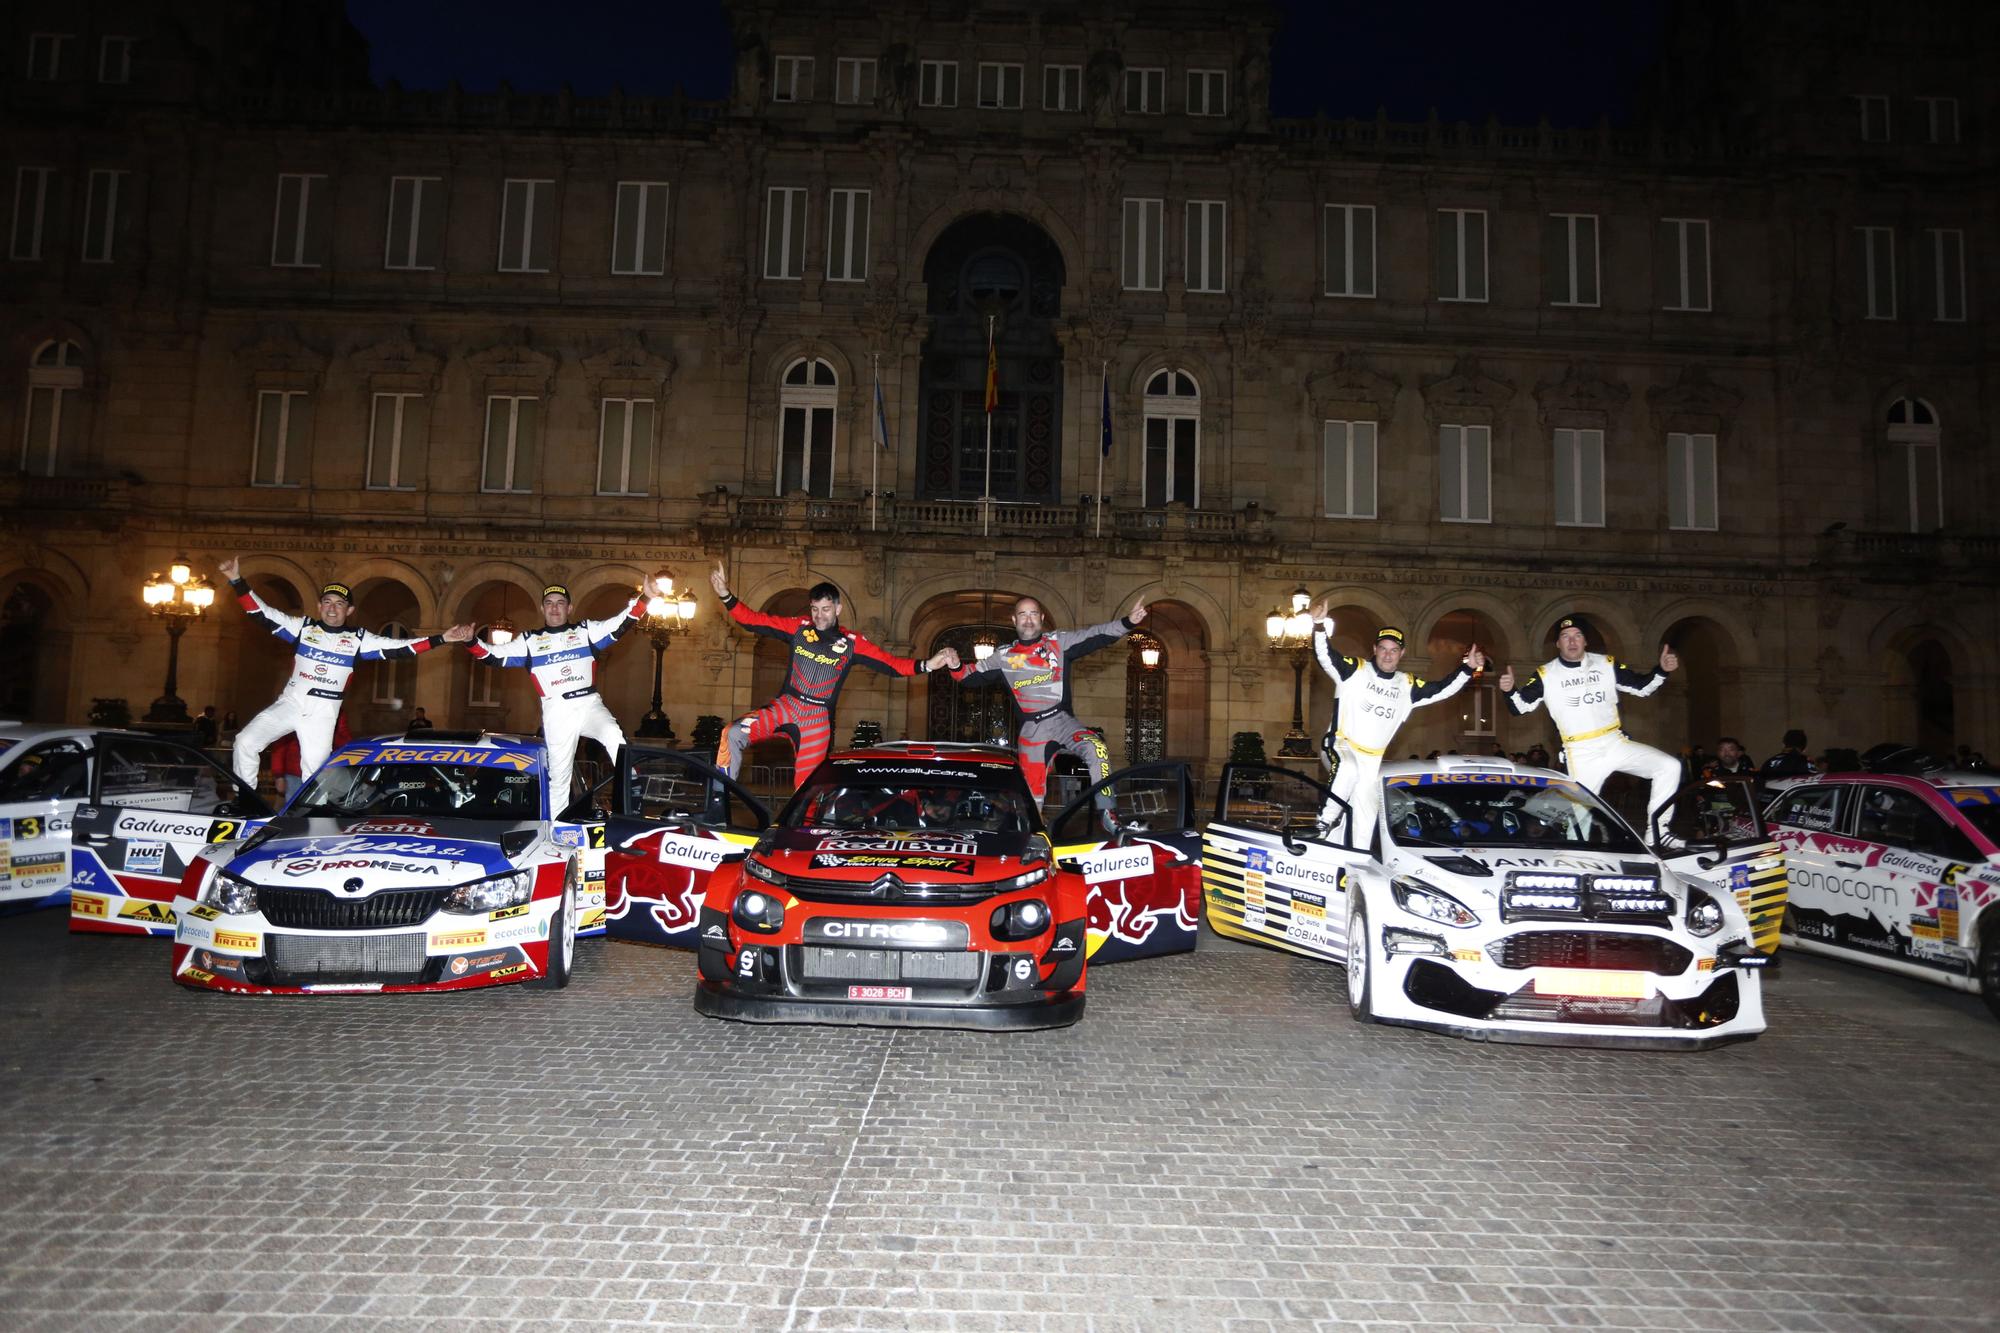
x: 456, y: 791
x: 1488, y: 810
x: 906, y: 807
x: 1981, y: 808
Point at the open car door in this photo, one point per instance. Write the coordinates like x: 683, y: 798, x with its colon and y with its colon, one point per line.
x: 1272, y: 876
x: 1132, y: 838
x: 676, y: 821
x: 153, y: 804
x: 1712, y: 833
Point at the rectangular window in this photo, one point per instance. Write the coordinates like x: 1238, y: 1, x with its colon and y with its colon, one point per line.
x: 1465, y: 474
x: 301, y: 227
x: 1207, y: 258
x: 1348, y: 236
x: 1941, y: 116
x: 1062, y: 87
x: 625, y: 446
x: 284, y: 424
x: 854, y: 81
x: 1691, y: 482
x: 639, y: 229
x: 805, y: 450
x: 511, y: 424
x: 396, y: 431
x: 416, y: 222
x: 45, y: 55
x: 1461, y: 254
x: 1683, y: 264
x: 1878, y: 271
x: 31, y: 200
x: 1146, y: 91
x: 1349, y: 468
x: 792, y: 79
x: 1144, y: 239
x: 483, y: 687
x: 785, y: 233
x: 847, y: 236
x: 1916, y: 486
x: 52, y: 423
x: 1874, y: 110
x: 1208, y: 92
x: 1173, y: 446
x: 937, y: 83
x: 1947, y: 249
x: 1569, y: 259
x: 527, y: 226
x: 114, y: 60
x: 100, y: 216
x: 1579, y: 478
x: 1477, y: 712
x: 1000, y: 87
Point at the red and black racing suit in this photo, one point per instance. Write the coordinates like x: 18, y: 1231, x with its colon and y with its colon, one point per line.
x: 1037, y: 676
x: 804, y: 708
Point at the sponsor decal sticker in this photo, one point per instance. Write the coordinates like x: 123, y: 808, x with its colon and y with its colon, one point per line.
x: 461, y: 939
x: 714, y: 932
x: 506, y: 912
x: 949, y: 865
x: 236, y: 939
x: 385, y: 866
x: 431, y: 754
x: 1308, y: 904
x: 196, y: 974
x: 141, y: 909
x: 160, y: 826
x: 897, y: 843
x: 204, y: 911
x: 514, y: 969
x: 1466, y: 956
x: 458, y: 966
x: 413, y: 827
x: 1112, y: 863
x: 699, y: 853
x: 146, y: 858
x: 87, y: 904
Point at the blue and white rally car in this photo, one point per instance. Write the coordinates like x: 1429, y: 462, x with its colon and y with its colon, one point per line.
x: 403, y: 865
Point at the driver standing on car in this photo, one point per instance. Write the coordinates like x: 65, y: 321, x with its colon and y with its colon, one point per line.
x: 1373, y: 704
x: 563, y: 657
x: 328, y: 648
x: 1581, y: 689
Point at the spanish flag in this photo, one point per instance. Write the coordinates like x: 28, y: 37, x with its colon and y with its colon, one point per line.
x: 992, y: 371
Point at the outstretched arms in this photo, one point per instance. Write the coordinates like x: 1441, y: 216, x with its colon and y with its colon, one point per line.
x: 284, y: 626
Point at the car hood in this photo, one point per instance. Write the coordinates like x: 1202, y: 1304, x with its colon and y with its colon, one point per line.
x: 848, y: 854
x: 323, y: 852
x: 1485, y: 870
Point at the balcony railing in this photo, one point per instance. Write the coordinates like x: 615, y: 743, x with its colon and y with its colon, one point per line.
x: 1916, y: 554
x: 971, y: 517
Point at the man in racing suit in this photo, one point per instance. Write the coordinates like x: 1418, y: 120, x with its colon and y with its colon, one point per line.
x: 822, y: 653
x: 1036, y: 669
x: 328, y: 648
x: 1581, y: 689
x: 1372, y: 704
x: 563, y: 659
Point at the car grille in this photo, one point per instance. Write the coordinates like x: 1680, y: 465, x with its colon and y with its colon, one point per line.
x: 1578, y: 948
x: 887, y: 888
x: 316, y: 909
x: 296, y: 957
x: 820, y: 964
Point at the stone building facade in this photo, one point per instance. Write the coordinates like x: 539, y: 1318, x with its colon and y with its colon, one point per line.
x: 1719, y: 381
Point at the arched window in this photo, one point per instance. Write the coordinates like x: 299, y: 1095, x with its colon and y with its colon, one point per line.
x: 55, y: 386
x: 1914, y: 494
x: 807, y: 399
x: 1173, y: 440
x: 1145, y: 699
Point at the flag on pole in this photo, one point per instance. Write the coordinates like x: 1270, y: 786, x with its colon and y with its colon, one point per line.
x: 1105, y: 411
x: 881, y: 418
x: 992, y: 371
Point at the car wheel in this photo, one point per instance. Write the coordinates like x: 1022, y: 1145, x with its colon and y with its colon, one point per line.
x: 1360, y: 967
x: 562, y: 941
x: 1989, y: 968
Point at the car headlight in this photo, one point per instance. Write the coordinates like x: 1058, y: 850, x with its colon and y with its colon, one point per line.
x: 488, y: 895
x: 756, y: 869
x: 1020, y: 921
x: 757, y: 911
x: 1432, y: 904
x: 229, y: 893
x: 1704, y: 914
x: 1027, y: 880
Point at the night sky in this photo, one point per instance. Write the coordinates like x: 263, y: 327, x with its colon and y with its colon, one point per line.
x: 1569, y: 59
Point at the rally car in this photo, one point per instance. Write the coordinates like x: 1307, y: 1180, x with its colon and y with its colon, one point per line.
x: 1897, y: 872
x: 1507, y: 903
x: 46, y: 772
x: 905, y: 884
x: 402, y: 865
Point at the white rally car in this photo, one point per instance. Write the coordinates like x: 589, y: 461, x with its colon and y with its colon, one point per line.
x: 1507, y: 903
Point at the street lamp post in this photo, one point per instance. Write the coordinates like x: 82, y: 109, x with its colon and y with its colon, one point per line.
x: 177, y: 597
x: 667, y: 615
x: 1292, y: 634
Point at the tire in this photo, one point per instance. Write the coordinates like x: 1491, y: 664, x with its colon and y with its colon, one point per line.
x: 1989, y: 967
x: 562, y: 939
x: 1360, y: 967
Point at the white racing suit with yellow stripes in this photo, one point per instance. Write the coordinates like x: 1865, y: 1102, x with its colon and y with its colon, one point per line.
x: 1583, y: 701
x: 1372, y: 707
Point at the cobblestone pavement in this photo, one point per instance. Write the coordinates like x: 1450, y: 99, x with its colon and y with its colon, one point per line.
x: 1215, y: 1146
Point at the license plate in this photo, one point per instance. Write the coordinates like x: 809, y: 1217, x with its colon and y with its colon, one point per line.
x: 878, y: 992
x: 1593, y: 983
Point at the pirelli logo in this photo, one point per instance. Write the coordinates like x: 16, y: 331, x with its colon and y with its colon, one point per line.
x: 464, y: 939
x: 87, y: 904
x: 236, y: 939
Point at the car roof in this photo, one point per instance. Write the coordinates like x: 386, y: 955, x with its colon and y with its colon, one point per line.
x: 1469, y: 765
x: 954, y: 752
x: 16, y: 734
x: 485, y: 749
x: 1941, y: 781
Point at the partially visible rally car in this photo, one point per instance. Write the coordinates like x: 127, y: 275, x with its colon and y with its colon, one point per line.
x: 1506, y: 903
x: 912, y: 883
x: 403, y: 864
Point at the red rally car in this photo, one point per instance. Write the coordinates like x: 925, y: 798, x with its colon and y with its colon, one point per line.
x: 906, y: 884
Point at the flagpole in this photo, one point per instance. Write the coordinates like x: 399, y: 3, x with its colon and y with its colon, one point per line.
x: 986, y: 492
x: 1103, y: 398
x: 875, y: 454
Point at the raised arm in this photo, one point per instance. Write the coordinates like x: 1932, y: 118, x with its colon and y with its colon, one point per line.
x: 1643, y: 683
x: 1526, y: 699
x: 603, y: 633
x: 379, y: 647
x: 284, y: 626
x: 1334, y: 664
